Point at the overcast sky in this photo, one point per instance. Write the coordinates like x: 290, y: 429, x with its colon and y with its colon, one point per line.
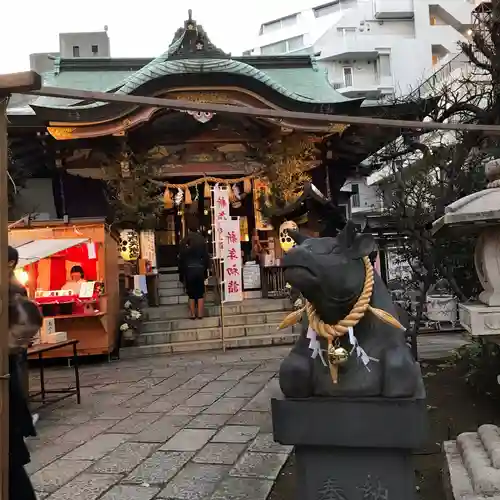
x: 137, y: 28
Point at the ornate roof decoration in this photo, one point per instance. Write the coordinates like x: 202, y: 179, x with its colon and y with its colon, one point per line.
x: 192, y: 42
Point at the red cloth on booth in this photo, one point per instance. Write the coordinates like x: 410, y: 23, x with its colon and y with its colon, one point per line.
x: 57, y: 273
x: 80, y: 254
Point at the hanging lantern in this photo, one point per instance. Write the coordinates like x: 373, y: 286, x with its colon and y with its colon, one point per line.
x: 129, y: 245
x: 21, y: 275
x: 286, y: 241
x: 206, y: 191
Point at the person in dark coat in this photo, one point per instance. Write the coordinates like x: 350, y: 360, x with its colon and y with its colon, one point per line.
x: 24, y: 322
x: 194, y: 262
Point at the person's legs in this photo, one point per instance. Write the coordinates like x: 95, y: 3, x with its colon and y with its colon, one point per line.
x: 20, y: 487
x: 201, y: 303
x: 192, y: 308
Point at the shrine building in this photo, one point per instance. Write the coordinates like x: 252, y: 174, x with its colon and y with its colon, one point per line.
x: 84, y: 150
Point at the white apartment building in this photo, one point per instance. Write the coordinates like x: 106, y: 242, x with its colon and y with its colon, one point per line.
x: 371, y: 48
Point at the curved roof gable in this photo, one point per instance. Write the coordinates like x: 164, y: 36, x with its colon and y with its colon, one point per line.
x: 193, y: 55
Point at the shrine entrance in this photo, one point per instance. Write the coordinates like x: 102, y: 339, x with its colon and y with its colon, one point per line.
x: 197, y: 215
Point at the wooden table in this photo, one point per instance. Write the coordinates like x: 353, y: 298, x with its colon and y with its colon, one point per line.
x: 39, y: 350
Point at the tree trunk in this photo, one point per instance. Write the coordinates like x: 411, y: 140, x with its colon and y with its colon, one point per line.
x: 418, y: 317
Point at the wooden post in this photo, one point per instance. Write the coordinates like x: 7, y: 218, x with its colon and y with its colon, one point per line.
x: 4, y: 300
x: 17, y: 82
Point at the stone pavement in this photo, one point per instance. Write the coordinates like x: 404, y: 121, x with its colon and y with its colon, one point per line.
x: 191, y: 427
x: 188, y: 427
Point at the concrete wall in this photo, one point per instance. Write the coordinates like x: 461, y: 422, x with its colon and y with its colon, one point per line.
x: 369, y: 198
x: 42, y: 62
x: 35, y: 199
x: 86, y: 45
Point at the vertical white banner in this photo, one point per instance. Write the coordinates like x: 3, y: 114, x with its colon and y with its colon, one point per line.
x: 233, y: 285
x: 221, y: 213
x: 148, y: 248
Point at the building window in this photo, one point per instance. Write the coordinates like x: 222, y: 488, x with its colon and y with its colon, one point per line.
x: 295, y: 43
x: 348, y: 80
x: 284, y: 22
x: 95, y: 50
x: 355, y: 202
x: 76, y: 51
x: 385, y: 65
x: 273, y: 49
x: 327, y: 8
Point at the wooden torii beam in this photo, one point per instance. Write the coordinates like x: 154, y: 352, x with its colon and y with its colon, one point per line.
x: 9, y: 84
x: 256, y: 112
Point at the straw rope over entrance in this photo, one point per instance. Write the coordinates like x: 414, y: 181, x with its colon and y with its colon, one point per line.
x: 332, y: 333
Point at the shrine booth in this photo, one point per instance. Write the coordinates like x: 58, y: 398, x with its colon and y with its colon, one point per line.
x: 70, y: 270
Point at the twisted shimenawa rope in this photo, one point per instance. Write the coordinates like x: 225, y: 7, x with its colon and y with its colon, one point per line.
x: 332, y: 332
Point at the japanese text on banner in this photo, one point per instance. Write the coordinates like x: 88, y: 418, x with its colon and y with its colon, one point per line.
x: 233, y: 286
x: 221, y: 213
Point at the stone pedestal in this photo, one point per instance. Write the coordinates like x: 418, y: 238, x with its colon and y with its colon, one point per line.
x: 352, y: 448
x: 480, y: 320
x: 472, y: 469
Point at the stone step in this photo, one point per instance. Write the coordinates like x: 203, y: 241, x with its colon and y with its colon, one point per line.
x: 168, y: 285
x: 207, y: 334
x: 168, y: 270
x: 472, y: 469
x: 171, y: 292
x: 285, y: 337
x: 181, y: 298
x: 175, y: 311
x: 162, y: 278
x: 171, y: 301
x: 175, y: 325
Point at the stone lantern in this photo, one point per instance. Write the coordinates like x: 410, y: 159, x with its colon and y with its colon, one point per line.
x: 472, y: 469
x: 479, y: 213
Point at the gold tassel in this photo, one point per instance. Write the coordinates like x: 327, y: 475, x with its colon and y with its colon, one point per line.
x: 167, y: 199
x: 386, y: 317
x: 187, y: 196
x: 232, y: 197
x: 247, y: 185
x: 206, y: 191
x: 292, y: 319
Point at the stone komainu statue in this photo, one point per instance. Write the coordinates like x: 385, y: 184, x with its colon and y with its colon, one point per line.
x: 352, y: 343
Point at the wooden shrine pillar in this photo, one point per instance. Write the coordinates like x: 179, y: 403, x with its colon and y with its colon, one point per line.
x: 9, y: 84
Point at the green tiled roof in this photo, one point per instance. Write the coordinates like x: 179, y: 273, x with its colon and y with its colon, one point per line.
x: 284, y: 81
x: 81, y: 80
x: 301, y: 84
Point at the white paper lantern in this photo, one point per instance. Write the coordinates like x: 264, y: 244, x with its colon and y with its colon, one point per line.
x: 129, y: 245
x: 286, y: 241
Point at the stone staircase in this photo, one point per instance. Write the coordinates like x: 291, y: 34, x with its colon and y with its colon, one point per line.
x: 169, y: 329
x: 472, y: 469
x: 171, y: 290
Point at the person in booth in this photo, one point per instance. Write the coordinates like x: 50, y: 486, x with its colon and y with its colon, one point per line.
x: 76, y: 279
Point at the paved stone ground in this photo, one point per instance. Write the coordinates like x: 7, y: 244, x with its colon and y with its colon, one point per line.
x: 192, y: 427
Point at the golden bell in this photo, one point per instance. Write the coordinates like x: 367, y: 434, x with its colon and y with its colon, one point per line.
x: 338, y: 355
